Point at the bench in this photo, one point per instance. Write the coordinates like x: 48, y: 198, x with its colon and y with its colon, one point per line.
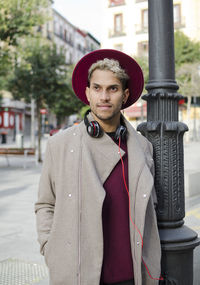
x: 17, y: 151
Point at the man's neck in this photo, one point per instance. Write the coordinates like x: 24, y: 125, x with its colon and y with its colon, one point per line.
x: 108, y: 126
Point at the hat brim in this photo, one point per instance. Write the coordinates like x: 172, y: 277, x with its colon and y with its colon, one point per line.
x: 135, y: 82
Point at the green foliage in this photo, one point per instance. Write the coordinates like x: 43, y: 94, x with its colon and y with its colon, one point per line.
x: 43, y: 76
x: 67, y: 103
x: 5, y: 66
x: 186, y: 51
x: 5, y: 61
x: 187, y: 60
x: 18, y: 17
x: 40, y: 74
x: 84, y: 110
x: 143, y: 62
x: 189, y: 79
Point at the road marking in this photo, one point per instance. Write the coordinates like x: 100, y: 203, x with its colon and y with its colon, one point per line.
x: 195, y: 212
x: 195, y: 228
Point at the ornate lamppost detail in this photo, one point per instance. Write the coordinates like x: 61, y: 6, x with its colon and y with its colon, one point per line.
x: 165, y: 132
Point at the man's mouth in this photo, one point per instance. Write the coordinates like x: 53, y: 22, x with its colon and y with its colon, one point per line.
x: 104, y: 106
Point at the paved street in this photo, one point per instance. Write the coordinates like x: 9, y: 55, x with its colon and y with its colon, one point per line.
x: 20, y: 261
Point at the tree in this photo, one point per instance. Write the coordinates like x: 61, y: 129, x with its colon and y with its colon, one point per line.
x: 67, y: 103
x: 189, y: 82
x: 186, y: 51
x: 41, y: 76
x: 143, y: 62
x: 5, y: 66
x: 18, y: 19
x: 187, y: 58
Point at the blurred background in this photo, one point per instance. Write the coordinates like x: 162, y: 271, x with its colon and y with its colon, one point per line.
x: 40, y: 43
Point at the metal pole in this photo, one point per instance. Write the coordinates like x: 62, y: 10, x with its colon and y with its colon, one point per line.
x: 32, y: 123
x: 194, y: 119
x: 166, y: 134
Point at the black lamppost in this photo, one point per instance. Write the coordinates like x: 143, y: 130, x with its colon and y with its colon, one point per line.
x: 166, y: 134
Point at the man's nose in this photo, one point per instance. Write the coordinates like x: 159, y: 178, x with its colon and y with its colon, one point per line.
x: 105, y: 95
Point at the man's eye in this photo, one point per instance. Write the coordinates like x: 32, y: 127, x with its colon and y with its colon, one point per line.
x: 96, y: 87
x: 113, y: 88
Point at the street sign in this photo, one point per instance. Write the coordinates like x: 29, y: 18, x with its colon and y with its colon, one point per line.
x: 43, y: 111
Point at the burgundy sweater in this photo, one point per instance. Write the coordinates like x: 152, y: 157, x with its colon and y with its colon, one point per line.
x: 117, y: 261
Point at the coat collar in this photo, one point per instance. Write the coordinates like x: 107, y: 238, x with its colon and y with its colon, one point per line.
x: 106, y: 155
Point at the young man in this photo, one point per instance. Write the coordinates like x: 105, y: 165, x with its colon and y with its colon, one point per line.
x: 95, y: 210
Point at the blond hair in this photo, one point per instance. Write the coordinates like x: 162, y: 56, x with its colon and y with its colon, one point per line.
x: 111, y: 65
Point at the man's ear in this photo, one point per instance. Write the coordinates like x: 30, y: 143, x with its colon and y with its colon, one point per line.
x: 125, y: 95
x: 87, y: 92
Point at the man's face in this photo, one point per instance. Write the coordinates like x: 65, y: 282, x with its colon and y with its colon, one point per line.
x: 106, y: 95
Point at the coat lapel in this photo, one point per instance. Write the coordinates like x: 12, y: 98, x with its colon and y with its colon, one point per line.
x: 104, y: 153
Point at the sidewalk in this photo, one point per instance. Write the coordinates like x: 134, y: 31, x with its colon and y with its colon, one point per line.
x: 20, y: 261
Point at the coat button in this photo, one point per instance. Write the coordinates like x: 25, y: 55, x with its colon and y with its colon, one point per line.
x: 70, y: 195
x: 71, y: 150
x: 144, y: 195
x: 74, y: 134
x: 138, y: 243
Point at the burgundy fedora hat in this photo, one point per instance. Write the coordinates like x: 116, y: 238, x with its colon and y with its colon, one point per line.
x: 80, y: 73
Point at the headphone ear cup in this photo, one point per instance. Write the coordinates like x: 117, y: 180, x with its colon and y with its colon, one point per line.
x: 94, y: 129
x: 121, y: 133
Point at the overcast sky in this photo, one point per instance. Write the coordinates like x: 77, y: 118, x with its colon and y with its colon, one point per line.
x: 85, y: 14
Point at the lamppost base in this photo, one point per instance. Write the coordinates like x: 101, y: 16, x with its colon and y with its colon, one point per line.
x: 177, y: 255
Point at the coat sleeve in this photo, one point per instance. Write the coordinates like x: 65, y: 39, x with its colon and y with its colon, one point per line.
x: 44, y: 207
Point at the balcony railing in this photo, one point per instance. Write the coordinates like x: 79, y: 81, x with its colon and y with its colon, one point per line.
x: 66, y: 40
x: 113, y: 33
x: 180, y: 24
x: 137, y: 1
x: 116, y: 3
x: 140, y: 29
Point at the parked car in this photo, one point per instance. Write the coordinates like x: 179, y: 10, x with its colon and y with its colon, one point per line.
x: 53, y: 132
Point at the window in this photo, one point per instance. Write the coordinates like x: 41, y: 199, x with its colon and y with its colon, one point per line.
x: 177, y: 14
x: 143, y: 48
x: 55, y: 27
x: 116, y: 2
x: 61, y: 31
x: 65, y: 34
x: 118, y: 23
x: 70, y: 58
x: 145, y: 19
x: 92, y: 47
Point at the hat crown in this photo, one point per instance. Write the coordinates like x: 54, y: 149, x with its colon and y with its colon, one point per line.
x: 131, y: 67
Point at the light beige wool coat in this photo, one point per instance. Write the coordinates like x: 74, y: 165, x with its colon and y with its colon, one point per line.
x: 69, y: 206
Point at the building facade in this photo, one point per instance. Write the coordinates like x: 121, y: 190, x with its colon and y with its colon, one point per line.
x: 63, y: 36
x: 74, y: 41
x: 126, y: 23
